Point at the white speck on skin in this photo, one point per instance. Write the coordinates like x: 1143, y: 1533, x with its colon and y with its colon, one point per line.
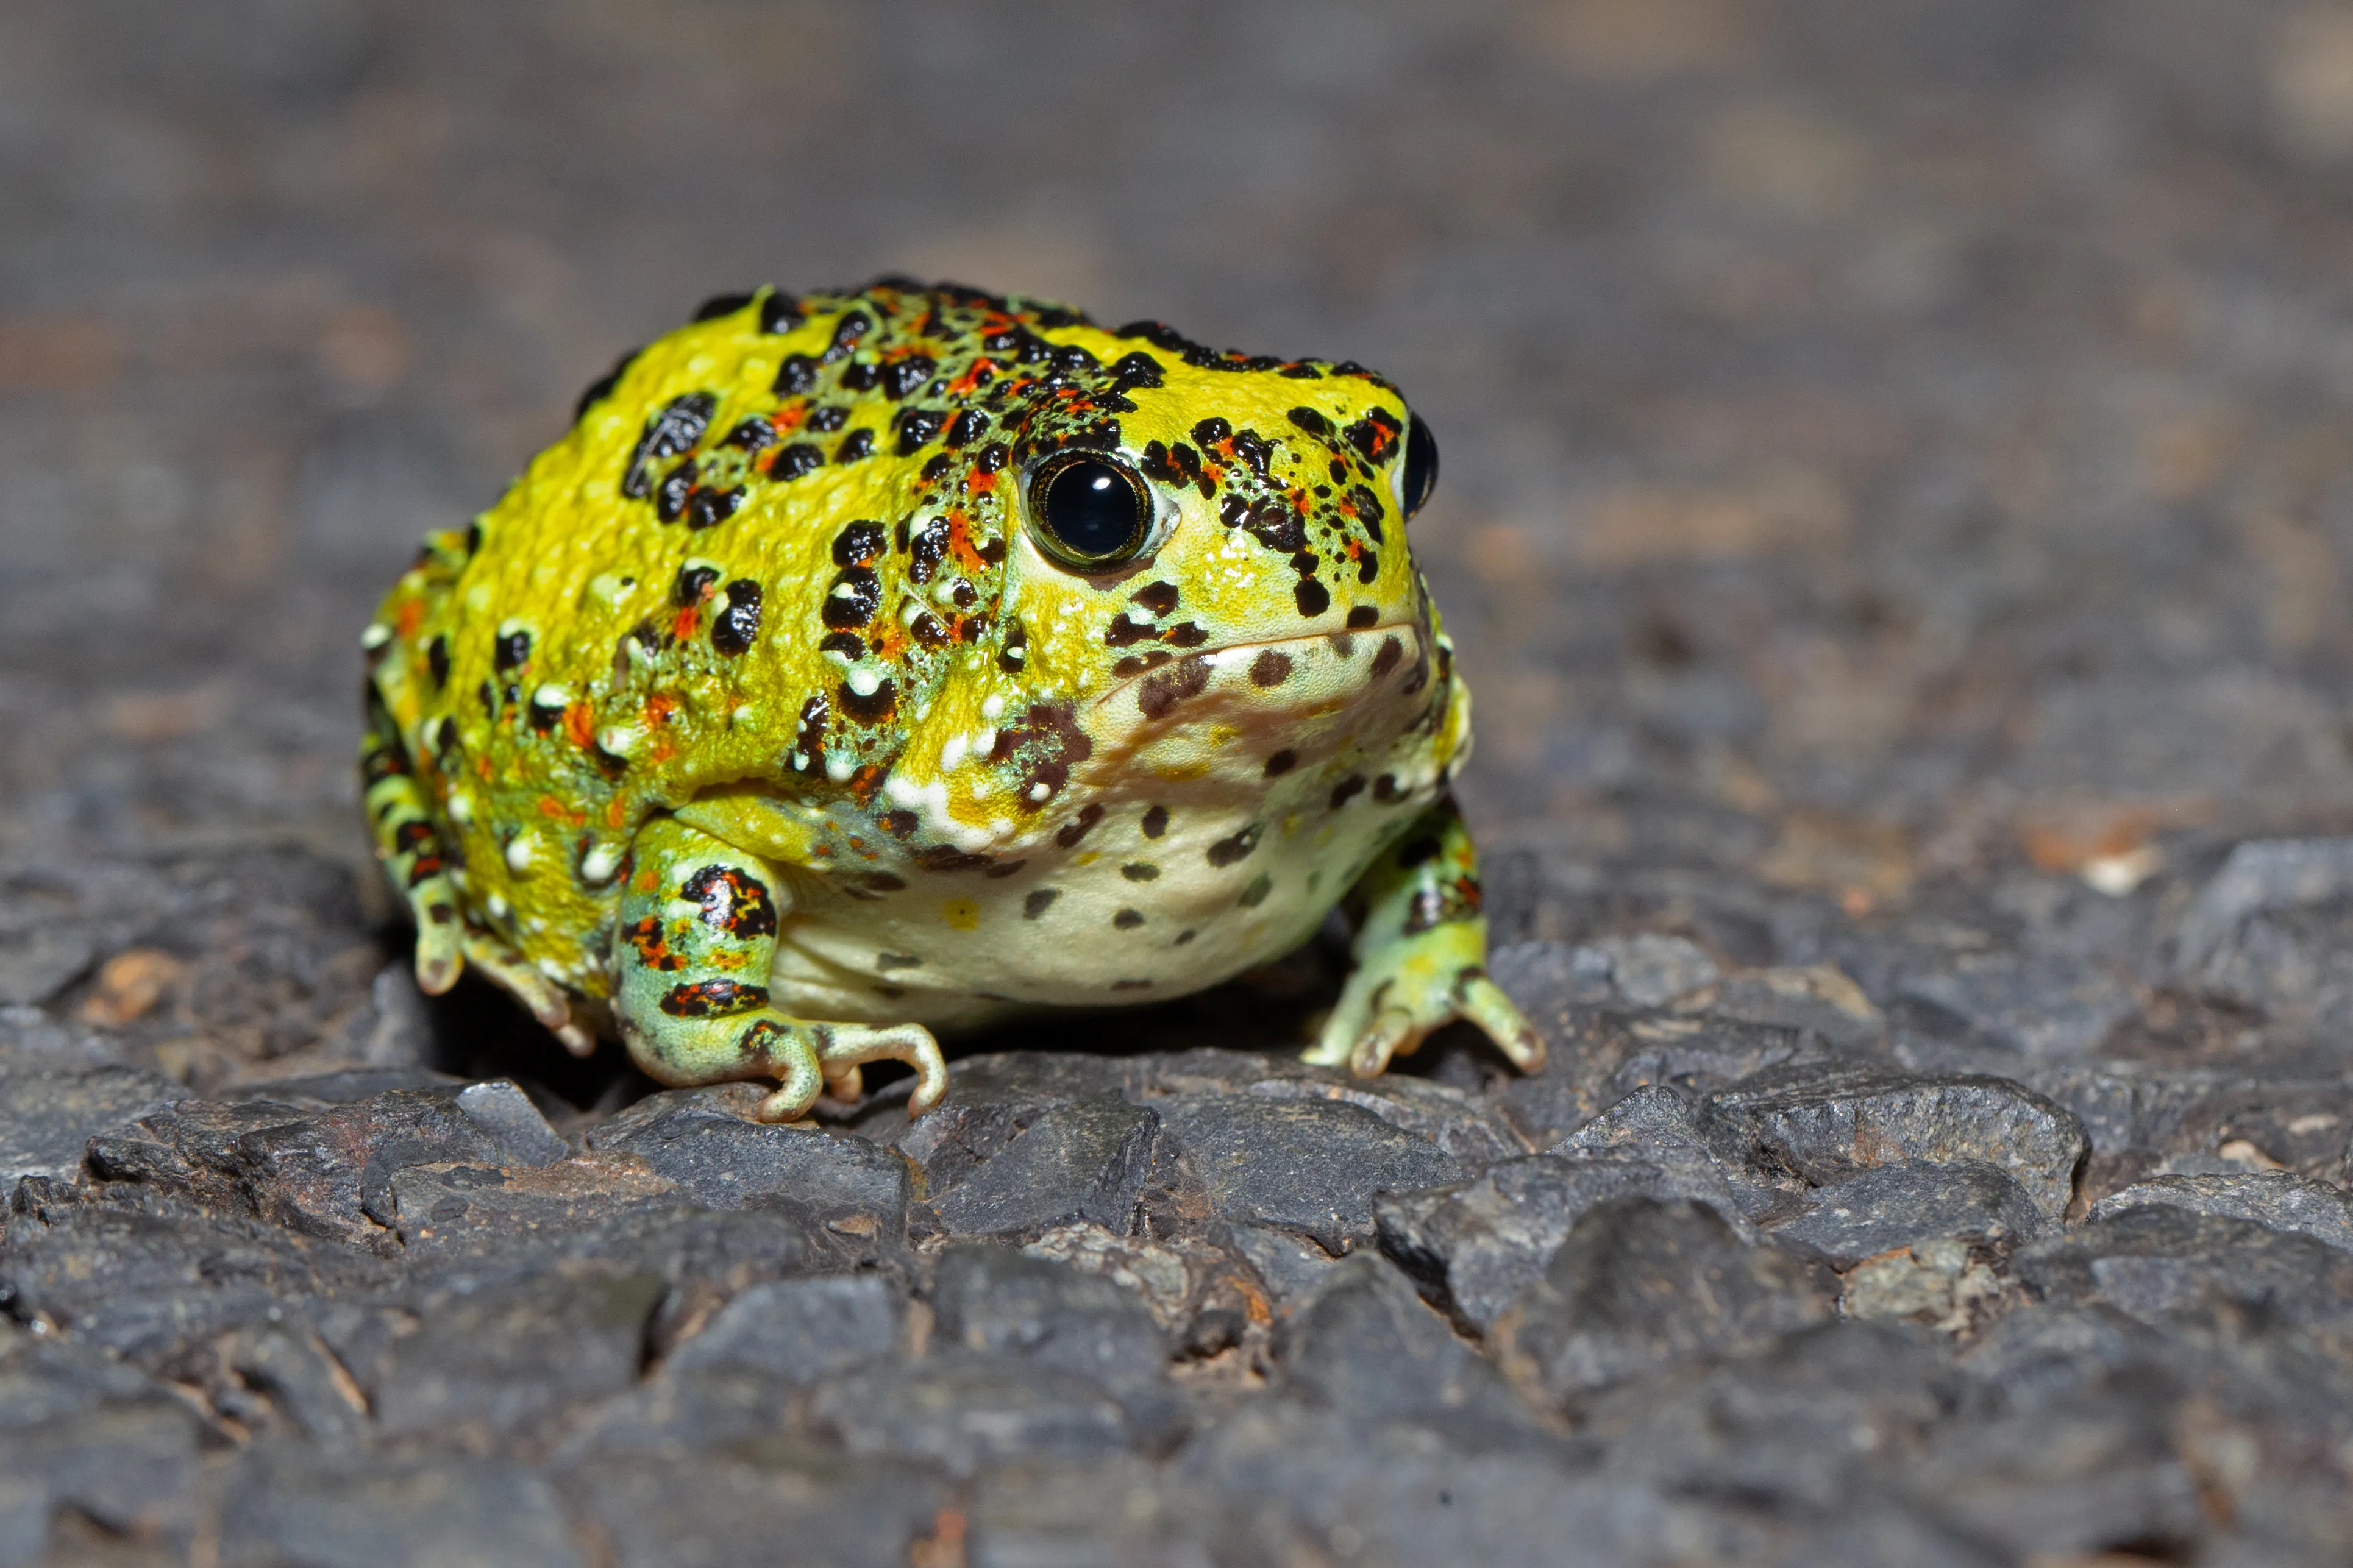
x: 992, y: 708
x: 1039, y: 792
x: 983, y: 741
x: 498, y: 905
x: 375, y: 636
x: 519, y: 850
x: 461, y: 808
x: 621, y: 740
x: 549, y: 694
x: 838, y: 769
x: 862, y: 680
x: 599, y: 864
x: 952, y: 754
x: 744, y: 714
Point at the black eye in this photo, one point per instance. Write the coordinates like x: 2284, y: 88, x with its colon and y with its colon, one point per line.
x: 1089, y: 512
x: 1420, y: 463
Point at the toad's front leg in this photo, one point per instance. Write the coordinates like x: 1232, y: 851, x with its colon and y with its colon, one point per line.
x: 697, y: 927
x: 1421, y: 955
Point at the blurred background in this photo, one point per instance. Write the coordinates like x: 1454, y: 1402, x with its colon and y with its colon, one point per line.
x: 1883, y: 438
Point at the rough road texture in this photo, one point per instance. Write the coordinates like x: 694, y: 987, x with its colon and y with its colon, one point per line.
x: 1898, y: 504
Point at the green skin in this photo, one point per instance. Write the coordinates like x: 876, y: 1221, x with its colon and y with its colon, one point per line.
x: 1042, y: 799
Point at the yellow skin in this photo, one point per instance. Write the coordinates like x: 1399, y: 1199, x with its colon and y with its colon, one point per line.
x: 765, y: 719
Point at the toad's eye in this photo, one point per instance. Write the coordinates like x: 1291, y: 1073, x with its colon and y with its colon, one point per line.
x: 1420, y: 463
x: 1089, y: 512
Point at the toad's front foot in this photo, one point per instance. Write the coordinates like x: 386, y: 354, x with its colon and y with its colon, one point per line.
x: 1421, y: 955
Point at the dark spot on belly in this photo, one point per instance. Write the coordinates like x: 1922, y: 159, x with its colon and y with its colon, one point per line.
x: 1384, y: 788
x: 1255, y: 894
x: 1269, y: 668
x: 826, y: 421
x: 1003, y: 869
x: 752, y: 435
x: 917, y: 427
x: 948, y: 858
x: 1363, y: 617
x: 1226, y: 851
x: 897, y: 824
x: 1183, y: 937
x: 1140, y: 871
x: 1312, y: 598
x: 1159, y: 597
x: 1392, y: 653
x: 1131, y: 985
x: 1127, y: 920
x: 887, y: 962
x: 1038, y: 902
x: 1368, y: 566
x: 720, y: 305
x: 1184, y: 634
x: 1282, y: 763
x: 1161, y: 692
x: 779, y: 313
x: 1089, y: 814
x: 1346, y: 790
x: 1156, y: 821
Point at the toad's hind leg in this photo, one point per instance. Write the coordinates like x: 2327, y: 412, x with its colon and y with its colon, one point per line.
x: 697, y: 929
x: 411, y: 850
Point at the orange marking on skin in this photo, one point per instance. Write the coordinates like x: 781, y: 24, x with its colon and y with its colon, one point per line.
x: 617, y: 812
x: 659, y: 706
x: 687, y: 621
x: 646, y: 882
x: 960, y: 544
x: 981, y: 483
x: 970, y: 379
x: 893, y: 643
x: 788, y: 419
x: 580, y: 724
x: 410, y: 617
x: 551, y: 806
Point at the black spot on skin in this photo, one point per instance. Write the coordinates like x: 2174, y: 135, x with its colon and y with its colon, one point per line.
x: 1343, y: 643
x: 737, y: 627
x: 791, y: 462
x: 897, y: 824
x: 1140, y: 871
x: 1128, y: 920
x: 1183, y: 937
x: 780, y: 313
x: 511, y: 650
x: 1015, y: 654
x: 1132, y: 371
x: 1159, y: 597
x: 720, y: 305
x: 1282, y: 763
x: 1038, y: 902
x: 926, y: 549
x: 1047, y: 742
x: 1269, y: 668
x: 596, y: 391
x: 1003, y: 869
x: 1211, y: 431
x: 1346, y: 790
x: 852, y: 600
x: 1184, y: 634
x: 993, y: 457
x: 1375, y: 435
x: 751, y: 435
x: 850, y: 645
x: 1307, y: 419
x: 809, y: 739
x: 939, y: 464
x: 853, y: 326
x: 1160, y: 692
x: 925, y: 628
x: 861, y: 377
x: 1227, y: 851
x: 1275, y: 523
x: 1156, y: 821
x: 859, y: 544
x: 1255, y: 894
x: 709, y: 508
x: 797, y: 377
x: 1368, y: 510
x: 542, y: 717
x: 1313, y: 597
x: 966, y: 427
x: 437, y: 658
x: 1368, y: 566
x: 870, y: 709
x: 1362, y: 616
x: 1254, y: 450
x: 1392, y: 653
x: 1384, y: 788
x: 669, y: 499
x: 916, y: 428
x: 1072, y: 831
x: 669, y: 430
x: 856, y: 446
x: 713, y: 999
x: 1124, y: 632
x: 885, y: 962
x: 695, y: 580
x: 900, y: 377
x: 948, y: 858
x: 733, y: 901
x: 826, y: 421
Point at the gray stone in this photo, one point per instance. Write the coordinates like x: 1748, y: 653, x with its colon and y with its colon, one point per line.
x: 799, y: 1329
x: 1641, y: 1283
x: 40, y: 958
x: 49, y: 1115
x: 1659, y: 1127
x: 995, y: 1298
x: 2279, y: 1199
x: 1085, y: 1161
x: 284, y: 1362
x: 288, y: 1504
x: 724, y: 1161
x: 80, y: 1432
x: 1474, y: 1247
x: 507, y: 1114
x: 1822, y: 1125
x: 1896, y: 1205
x: 1307, y: 1165
x: 512, y: 1358
x: 1645, y: 970
x: 959, y: 1409
x: 2163, y: 1264
x: 2045, y: 1006
x: 1366, y: 1346
x: 715, y: 1509
x: 2259, y: 876
x: 1289, y: 1265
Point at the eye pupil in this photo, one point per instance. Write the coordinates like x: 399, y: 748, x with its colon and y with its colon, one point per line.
x: 1420, y: 464
x: 1090, y: 513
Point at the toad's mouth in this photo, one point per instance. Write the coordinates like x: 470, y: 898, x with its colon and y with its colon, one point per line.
x: 1321, y: 672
